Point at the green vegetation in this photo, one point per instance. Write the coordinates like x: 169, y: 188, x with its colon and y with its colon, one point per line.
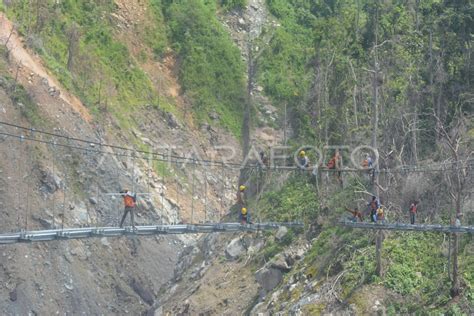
x: 233, y: 4
x: 320, y: 62
x: 295, y: 200
x: 22, y: 100
x: 415, y: 263
x: 211, y: 69
x: 78, y: 44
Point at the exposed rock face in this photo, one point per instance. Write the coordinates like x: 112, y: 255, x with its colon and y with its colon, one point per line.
x: 50, y: 182
x: 268, y: 278
x: 235, y: 249
x: 282, y: 231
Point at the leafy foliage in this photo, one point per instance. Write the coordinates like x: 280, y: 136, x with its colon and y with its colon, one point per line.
x: 233, y: 4
x: 211, y: 69
x: 103, y: 72
x: 320, y: 62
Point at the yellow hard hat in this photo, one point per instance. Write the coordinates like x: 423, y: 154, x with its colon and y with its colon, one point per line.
x: 302, y: 153
x: 244, y: 210
x: 242, y: 188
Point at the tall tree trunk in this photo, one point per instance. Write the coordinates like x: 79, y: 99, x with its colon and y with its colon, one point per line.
x: 246, y: 120
x: 455, y: 289
x: 375, y: 123
x: 414, y: 100
x: 455, y: 278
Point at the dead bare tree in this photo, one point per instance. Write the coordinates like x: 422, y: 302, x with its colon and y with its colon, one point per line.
x: 457, y: 144
x: 73, y: 35
x: 7, y: 49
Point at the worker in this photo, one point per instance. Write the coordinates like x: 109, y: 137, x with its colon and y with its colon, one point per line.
x: 338, y: 166
x: 244, y: 216
x: 368, y: 162
x: 331, y: 163
x: 373, y: 205
x: 413, y: 210
x: 129, y: 201
x: 303, y: 160
x: 241, y: 199
x: 380, y: 215
x: 356, y: 215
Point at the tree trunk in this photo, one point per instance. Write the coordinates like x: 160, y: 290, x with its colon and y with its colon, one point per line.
x: 378, y: 253
x: 455, y: 289
x: 73, y: 39
x: 375, y: 123
x: 455, y: 279
x: 414, y: 99
x: 246, y: 120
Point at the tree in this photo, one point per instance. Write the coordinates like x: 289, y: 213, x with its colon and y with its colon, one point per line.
x: 73, y: 35
x: 457, y: 144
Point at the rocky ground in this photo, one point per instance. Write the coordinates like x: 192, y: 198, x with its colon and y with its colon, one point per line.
x: 44, y: 186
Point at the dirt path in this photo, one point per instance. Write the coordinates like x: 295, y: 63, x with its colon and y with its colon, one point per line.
x: 20, y: 56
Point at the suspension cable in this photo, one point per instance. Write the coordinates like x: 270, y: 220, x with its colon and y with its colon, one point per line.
x: 162, y: 191
x: 257, y: 212
x: 221, y: 211
x: 89, y: 142
x: 403, y: 169
x: 19, y: 183
x: 205, y: 196
x: 97, y: 209
x: 53, y: 153
x: 193, y: 192
x: 177, y: 192
x: 30, y: 171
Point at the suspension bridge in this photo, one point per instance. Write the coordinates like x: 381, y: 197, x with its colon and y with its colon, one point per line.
x: 408, y: 227
x: 99, y: 232
x: 54, y: 140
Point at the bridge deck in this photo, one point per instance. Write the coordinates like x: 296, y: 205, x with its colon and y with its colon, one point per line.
x: 408, y: 227
x: 90, y: 232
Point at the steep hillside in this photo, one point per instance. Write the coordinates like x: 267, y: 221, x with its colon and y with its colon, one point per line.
x: 377, y: 74
x: 101, y: 73
x: 197, y: 80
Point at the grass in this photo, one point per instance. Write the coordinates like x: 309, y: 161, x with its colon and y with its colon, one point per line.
x: 414, y: 263
x: 102, y: 67
x: 22, y: 100
x: 233, y: 4
x: 211, y: 69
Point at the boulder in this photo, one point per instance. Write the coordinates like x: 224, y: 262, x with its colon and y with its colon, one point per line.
x: 13, y: 295
x: 256, y: 246
x: 50, y: 182
x: 282, y: 231
x: 214, y: 116
x: 268, y: 278
x: 234, y: 249
x: 141, y: 290
x: 171, y: 120
x: 279, y: 262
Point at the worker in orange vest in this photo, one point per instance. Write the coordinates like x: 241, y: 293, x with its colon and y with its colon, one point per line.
x: 129, y: 201
x: 356, y: 215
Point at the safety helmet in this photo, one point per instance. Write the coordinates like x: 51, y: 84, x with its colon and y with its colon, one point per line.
x: 242, y: 188
x: 244, y: 211
x: 302, y: 153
